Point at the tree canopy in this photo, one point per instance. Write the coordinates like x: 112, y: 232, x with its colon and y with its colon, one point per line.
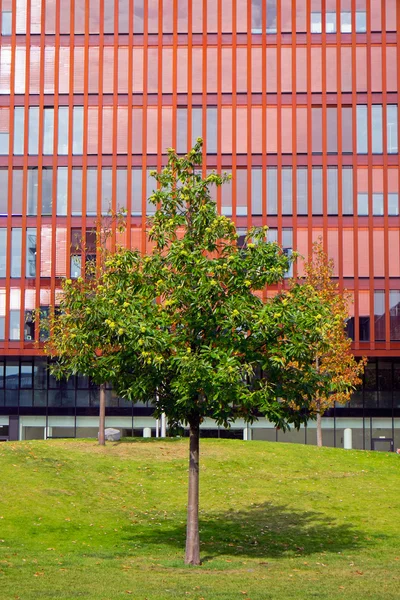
x: 187, y: 327
x: 340, y: 373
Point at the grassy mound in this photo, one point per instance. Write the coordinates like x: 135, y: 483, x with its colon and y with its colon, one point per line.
x: 278, y: 521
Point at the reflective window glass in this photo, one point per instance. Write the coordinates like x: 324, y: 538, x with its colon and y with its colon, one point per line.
x: 6, y: 22
x: 392, y: 132
x: 362, y: 129
x: 361, y: 21
x: 377, y: 133
x: 316, y: 22
x: 377, y: 204
x: 47, y: 191
x: 345, y: 22
x: 302, y: 188
x: 19, y: 121
x: 33, y: 132
x: 331, y: 22
x: 16, y: 251
x: 3, y: 252
x: 272, y: 191
x: 62, y: 190
x: 32, y: 192
x: 362, y: 204
x: 31, y: 252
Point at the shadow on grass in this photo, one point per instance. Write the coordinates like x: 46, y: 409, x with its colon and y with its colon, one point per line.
x: 264, y: 530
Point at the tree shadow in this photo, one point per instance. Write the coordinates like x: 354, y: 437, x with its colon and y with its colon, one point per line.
x: 261, y: 531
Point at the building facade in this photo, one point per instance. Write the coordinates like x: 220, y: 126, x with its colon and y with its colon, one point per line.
x: 297, y: 99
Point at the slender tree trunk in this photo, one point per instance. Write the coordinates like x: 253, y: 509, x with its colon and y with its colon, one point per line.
x: 102, y: 415
x: 192, y: 555
x: 319, y: 429
x: 319, y: 422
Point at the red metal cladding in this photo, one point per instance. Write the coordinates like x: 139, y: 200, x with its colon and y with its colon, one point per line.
x: 297, y: 99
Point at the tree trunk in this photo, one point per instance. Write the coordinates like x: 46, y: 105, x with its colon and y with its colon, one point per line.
x: 319, y: 429
x: 192, y: 554
x: 102, y: 415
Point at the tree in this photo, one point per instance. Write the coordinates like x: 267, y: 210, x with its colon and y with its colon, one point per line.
x: 340, y: 373
x: 185, y: 326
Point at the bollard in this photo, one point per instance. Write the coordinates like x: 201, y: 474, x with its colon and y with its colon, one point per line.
x: 147, y: 432
x: 247, y: 433
x: 347, y: 439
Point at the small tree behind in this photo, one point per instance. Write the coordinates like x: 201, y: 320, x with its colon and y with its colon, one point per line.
x: 184, y: 326
x: 340, y: 373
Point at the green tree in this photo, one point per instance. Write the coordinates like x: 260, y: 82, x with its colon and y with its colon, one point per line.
x: 184, y: 326
x: 339, y: 371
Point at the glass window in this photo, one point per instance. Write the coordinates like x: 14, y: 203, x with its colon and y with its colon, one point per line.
x: 271, y: 16
x: 6, y: 22
x: 332, y: 180
x: 287, y: 245
x: 345, y: 22
x: 394, y: 299
x: 16, y: 251
x: 2, y: 313
x: 47, y: 191
x: 316, y: 130
x: 136, y: 192
x: 14, y: 324
x: 76, y: 192
x: 211, y: 130
x: 17, y: 188
x: 62, y: 190
x: 377, y: 142
x: 3, y: 196
x: 272, y: 191
x: 181, y: 130
x: 393, y: 204
x: 19, y: 120
x: 287, y: 191
x: 226, y: 198
x: 31, y: 252
x: 76, y: 266
x: 379, y: 315
x: 316, y: 22
x: 32, y: 192
x: 362, y: 204
x: 3, y: 252
x: 362, y: 129
x: 256, y: 191
x: 197, y: 124
x: 377, y: 204
x: 347, y: 191
x: 302, y: 188
x: 347, y: 129
x: 12, y: 374
x: 48, y: 133
x: 331, y: 134
x: 331, y: 22
x: 77, y: 130
x: 256, y: 16
x: 26, y: 375
x: 121, y: 188
x: 33, y: 133
x: 106, y: 190
x: 241, y: 192
x: 91, y: 192
x: 63, y: 130
x: 316, y: 191
x: 4, y: 141
x: 392, y: 141
x: 361, y: 21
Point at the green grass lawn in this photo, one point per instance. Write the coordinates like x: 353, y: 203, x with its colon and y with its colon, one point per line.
x: 278, y: 521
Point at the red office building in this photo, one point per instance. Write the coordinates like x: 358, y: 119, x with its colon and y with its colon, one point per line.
x: 297, y: 99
